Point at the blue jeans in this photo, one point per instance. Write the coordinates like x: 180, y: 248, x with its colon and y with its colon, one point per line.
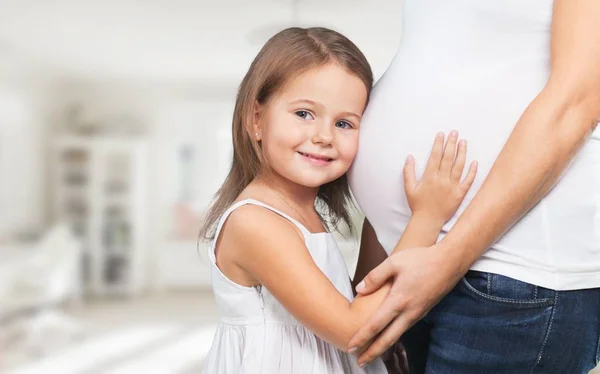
x: 490, y: 323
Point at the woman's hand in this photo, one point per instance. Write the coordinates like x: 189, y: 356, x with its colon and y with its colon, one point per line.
x: 421, y: 277
x: 395, y: 359
x: 438, y: 194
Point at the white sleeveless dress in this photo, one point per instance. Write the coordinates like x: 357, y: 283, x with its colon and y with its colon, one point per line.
x: 256, y: 334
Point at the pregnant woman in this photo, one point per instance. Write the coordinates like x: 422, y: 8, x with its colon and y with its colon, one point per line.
x: 513, y: 283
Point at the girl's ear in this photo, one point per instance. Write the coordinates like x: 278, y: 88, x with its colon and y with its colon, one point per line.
x: 256, y: 125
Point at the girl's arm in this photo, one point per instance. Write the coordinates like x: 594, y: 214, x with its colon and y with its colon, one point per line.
x: 270, y: 249
x: 273, y: 252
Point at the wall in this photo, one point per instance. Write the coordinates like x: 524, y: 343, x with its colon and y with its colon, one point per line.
x: 165, y: 71
x: 22, y: 172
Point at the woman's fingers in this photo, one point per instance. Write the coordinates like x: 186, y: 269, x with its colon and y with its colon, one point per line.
x: 376, y: 277
x: 386, y: 339
x: 387, y: 312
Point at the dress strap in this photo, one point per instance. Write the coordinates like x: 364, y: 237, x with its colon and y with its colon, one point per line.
x: 211, y: 247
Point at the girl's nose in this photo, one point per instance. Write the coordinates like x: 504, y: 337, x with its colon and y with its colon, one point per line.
x: 323, y: 134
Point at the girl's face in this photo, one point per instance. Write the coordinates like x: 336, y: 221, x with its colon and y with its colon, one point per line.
x: 309, y: 131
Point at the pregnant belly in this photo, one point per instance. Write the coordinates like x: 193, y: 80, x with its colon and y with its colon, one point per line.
x: 403, y: 117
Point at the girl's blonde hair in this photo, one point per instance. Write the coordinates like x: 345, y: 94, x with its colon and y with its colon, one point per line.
x: 286, y: 55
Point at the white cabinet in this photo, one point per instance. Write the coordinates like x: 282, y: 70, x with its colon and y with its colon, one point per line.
x: 100, y: 189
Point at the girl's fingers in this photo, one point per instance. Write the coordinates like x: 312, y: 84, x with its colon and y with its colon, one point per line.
x: 459, y: 163
x: 448, y: 156
x: 468, y: 181
x: 436, y: 154
x: 410, y: 178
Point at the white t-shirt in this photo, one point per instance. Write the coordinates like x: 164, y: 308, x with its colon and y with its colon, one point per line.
x: 475, y: 66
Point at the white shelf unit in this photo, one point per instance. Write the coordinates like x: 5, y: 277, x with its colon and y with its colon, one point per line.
x: 101, y: 191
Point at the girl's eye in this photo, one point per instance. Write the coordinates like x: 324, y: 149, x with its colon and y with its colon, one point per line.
x: 343, y: 125
x: 304, y: 114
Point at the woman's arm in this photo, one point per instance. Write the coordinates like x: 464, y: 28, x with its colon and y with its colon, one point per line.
x: 541, y: 147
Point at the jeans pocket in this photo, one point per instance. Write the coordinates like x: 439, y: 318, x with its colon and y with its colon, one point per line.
x: 499, y: 289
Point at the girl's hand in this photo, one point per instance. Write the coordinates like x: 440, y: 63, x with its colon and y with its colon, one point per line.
x: 438, y: 194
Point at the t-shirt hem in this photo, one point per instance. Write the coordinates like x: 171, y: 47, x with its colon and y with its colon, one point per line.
x: 558, y: 281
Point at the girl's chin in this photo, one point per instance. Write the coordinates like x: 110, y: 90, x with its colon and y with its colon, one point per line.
x: 315, y: 182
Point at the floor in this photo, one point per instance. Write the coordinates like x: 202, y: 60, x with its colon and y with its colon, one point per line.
x: 163, y: 333
x: 167, y: 333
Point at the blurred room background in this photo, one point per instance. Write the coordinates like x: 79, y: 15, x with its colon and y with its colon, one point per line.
x: 114, y: 134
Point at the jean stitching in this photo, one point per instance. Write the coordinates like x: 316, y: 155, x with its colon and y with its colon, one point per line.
x: 489, y: 283
x: 499, y: 299
x: 535, y: 292
x: 598, y: 351
x: 539, y: 358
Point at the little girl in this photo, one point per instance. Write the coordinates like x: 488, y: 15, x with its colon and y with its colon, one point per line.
x: 280, y: 282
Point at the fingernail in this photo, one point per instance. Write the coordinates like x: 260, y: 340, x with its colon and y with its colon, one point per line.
x: 353, y: 350
x: 409, y: 159
x: 362, y: 365
x: 453, y: 133
x: 440, y: 135
x: 360, y: 287
x: 463, y: 143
